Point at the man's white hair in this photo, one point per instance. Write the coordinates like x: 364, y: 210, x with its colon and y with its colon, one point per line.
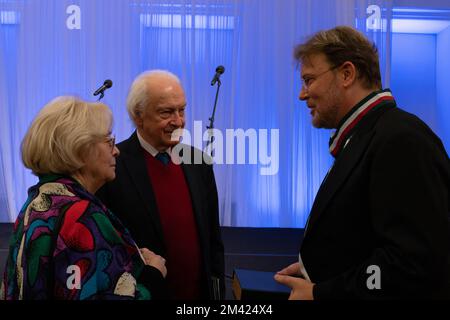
x: 140, y: 95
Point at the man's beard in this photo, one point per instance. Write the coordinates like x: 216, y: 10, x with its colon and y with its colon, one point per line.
x: 327, y: 119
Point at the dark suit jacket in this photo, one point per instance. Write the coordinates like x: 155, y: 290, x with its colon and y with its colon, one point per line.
x: 130, y: 196
x: 384, y: 203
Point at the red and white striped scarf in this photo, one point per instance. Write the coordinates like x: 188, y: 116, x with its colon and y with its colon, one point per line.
x: 340, y: 138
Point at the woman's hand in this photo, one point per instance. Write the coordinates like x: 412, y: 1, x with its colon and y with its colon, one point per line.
x: 154, y: 260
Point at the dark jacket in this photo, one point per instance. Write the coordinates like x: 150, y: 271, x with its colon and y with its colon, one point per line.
x: 385, y: 203
x: 130, y: 196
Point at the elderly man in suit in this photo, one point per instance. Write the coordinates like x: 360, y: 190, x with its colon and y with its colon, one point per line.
x: 378, y: 227
x: 169, y: 207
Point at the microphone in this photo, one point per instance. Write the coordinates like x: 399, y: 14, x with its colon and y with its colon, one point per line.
x: 219, y: 71
x: 107, y: 84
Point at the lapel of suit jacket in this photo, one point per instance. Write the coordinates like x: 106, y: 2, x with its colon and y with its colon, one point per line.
x: 134, y: 163
x: 343, y: 166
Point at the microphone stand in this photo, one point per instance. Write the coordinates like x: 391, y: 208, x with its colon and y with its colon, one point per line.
x: 211, y: 121
x: 102, y: 94
x: 216, y: 282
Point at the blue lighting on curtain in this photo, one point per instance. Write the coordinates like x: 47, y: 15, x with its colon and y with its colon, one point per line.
x: 47, y: 49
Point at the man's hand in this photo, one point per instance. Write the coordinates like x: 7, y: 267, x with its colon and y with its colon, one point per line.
x: 292, y: 270
x: 301, y: 289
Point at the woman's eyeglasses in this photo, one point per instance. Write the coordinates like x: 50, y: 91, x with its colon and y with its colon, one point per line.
x: 111, y: 142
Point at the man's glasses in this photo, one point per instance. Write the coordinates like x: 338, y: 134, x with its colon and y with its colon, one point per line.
x: 308, y: 80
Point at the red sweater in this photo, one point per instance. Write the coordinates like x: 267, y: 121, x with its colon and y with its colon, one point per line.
x: 179, y: 228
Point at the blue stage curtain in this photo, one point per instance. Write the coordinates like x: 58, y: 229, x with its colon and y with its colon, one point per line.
x: 43, y: 54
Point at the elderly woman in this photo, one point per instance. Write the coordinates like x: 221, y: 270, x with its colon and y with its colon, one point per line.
x: 66, y: 244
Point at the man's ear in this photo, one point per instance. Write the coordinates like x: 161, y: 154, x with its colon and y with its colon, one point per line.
x: 138, y: 119
x: 349, y: 73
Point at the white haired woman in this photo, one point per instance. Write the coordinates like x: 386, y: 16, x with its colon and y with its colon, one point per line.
x: 66, y: 244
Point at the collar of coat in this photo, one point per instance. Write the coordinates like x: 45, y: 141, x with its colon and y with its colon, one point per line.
x: 349, y: 123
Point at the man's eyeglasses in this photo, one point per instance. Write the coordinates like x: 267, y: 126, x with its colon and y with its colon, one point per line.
x: 308, y: 80
x: 111, y: 141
